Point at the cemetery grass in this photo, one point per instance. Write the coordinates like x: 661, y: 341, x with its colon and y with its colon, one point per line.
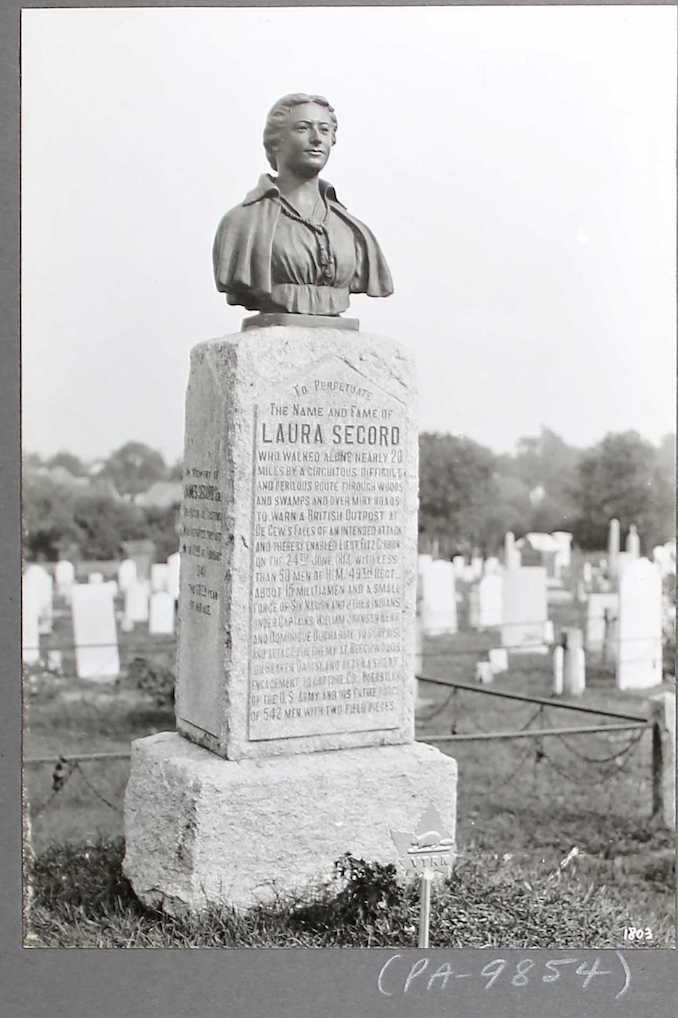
x: 524, y: 806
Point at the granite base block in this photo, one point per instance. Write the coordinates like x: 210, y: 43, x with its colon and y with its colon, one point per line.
x: 205, y: 831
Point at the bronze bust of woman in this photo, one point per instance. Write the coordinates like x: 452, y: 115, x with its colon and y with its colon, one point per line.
x: 291, y: 246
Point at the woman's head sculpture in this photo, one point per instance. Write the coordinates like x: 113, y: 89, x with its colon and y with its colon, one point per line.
x: 278, y: 117
x: 291, y: 247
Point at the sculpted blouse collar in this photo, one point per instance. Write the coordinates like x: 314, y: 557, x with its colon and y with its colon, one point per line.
x: 267, y: 188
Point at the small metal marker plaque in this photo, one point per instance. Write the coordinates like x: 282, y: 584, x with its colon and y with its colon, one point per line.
x: 428, y: 848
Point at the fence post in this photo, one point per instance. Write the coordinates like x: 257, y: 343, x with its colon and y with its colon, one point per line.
x: 663, y: 707
x: 574, y: 663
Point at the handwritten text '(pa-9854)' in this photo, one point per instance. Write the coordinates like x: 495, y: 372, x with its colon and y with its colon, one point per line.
x: 399, y: 975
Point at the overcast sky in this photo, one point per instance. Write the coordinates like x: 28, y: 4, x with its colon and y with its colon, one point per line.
x: 516, y: 164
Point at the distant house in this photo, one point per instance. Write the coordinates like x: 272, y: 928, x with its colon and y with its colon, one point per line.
x: 160, y: 495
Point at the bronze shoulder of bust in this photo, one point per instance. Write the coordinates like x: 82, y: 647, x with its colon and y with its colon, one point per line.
x: 290, y: 247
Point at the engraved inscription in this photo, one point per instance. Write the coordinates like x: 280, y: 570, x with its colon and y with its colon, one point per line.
x: 326, y: 642
x: 201, y: 530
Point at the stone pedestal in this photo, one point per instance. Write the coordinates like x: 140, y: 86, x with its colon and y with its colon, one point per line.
x: 296, y: 625
x: 202, y: 830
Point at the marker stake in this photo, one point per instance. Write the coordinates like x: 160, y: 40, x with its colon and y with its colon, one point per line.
x: 424, y: 907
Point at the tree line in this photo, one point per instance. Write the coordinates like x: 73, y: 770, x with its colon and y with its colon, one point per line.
x: 468, y: 495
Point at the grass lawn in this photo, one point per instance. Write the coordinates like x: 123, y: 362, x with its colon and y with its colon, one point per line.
x: 523, y: 806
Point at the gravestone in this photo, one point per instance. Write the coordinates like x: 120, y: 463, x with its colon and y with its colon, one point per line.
x: 296, y: 650
x: 624, y: 558
x: 574, y: 663
x: 64, y: 574
x: 137, y: 596
x: 96, y: 641
x: 459, y: 563
x: 597, y: 606
x: 564, y: 554
x: 159, y: 577
x: 490, y: 597
x: 512, y: 559
x: 484, y: 672
x: 633, y: 542
x: 30, y: 615
x: 439, y: 599
x: 142, y: 552
x: 492, y: 565
x: 613, y: 546
x: 173, y: 571
x: 161, y: 614
x: 295, y: 667
x: 40, y: 584
x: 524, y: 609
x: 639, y: 633
x: 96, y: 578
x: 498, y: 659
x: 127, y: 573
x: 558, y: 670
x: 611, y: 643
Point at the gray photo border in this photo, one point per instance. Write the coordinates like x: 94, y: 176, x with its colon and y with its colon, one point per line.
x: 212, y: 983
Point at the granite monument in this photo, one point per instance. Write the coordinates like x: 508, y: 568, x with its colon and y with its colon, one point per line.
x: 296, y: 644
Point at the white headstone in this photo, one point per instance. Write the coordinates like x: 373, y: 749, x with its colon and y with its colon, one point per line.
x: 490, y: 601
x: 161, y: 613
x: 492, y: 565
x: 39, y: 582
x: 96, y: 641
x: 158, y: 577
x: 597, y: 606
x: 587, y: 572
x: 469, y: 574
x: 439, y: 602
x: 574, y: 666
x: 623, y: 560
x: 512, y: 557
x: 64, y: 574
x: 477, y: 566
x: 498, y: 660
x: 633, y: 542
x: 173, y: 572
x: 613, y: 546
x: 127, y: 573
x: 459, y: 563
x: 96, y: 577
x: 564, y: 554
x: 30, y: 613
x: 136, y: 602
x: 524, y: 609
x: 549, y: 632
x: 611, y: 645
x: 558, y: 664
x: 639, y: 638
x: 484, y: 672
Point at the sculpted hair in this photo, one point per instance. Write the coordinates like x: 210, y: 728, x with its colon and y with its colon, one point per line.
x: 280, y: 111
